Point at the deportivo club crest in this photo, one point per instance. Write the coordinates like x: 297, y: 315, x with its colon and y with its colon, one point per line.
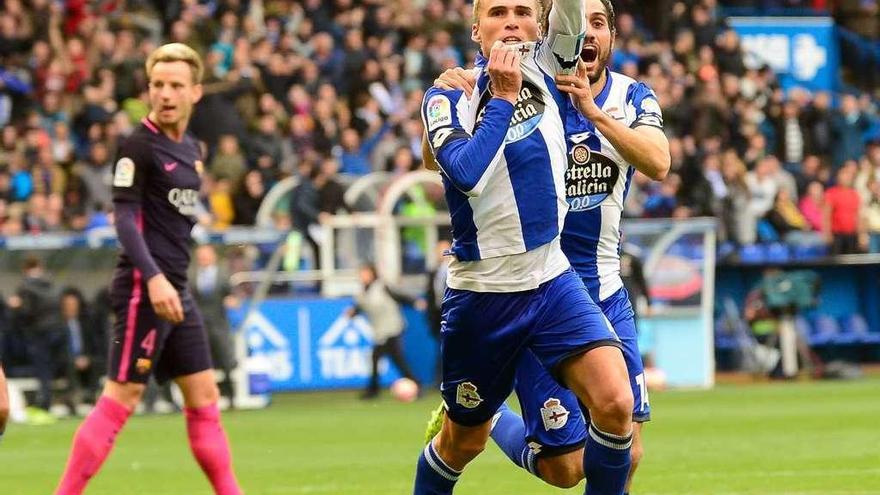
x: 466, y: 395
x: 554, y: 415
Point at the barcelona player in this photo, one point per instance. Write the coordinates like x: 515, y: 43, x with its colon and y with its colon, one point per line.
x: 158, y: 330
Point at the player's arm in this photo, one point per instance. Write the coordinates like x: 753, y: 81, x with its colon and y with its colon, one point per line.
x: 562, y: 45
x: 129, y: 177
x: 4, y: 403
x: 469, y: 160
x: 463, y: 158
x: 450, y: 79
x: 643, y: 143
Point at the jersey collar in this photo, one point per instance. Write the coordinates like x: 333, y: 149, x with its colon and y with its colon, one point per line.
x: 603, y: 95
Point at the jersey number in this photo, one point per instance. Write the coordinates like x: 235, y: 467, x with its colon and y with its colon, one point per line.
x: 149, y: 342
x: 643, y: 389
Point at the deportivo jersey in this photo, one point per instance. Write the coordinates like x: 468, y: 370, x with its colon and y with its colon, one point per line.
x: 503, y: 165
x: 597, y: 182
x: 164, y: 178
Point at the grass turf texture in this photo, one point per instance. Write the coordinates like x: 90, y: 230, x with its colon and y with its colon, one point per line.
x: 783, y: 438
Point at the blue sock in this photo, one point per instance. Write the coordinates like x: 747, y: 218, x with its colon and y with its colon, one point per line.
x: 509, y: 432
x: 606, y: 462
x: 433, y: 476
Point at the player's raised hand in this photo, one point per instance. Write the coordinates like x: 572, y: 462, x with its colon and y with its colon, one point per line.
x: 457, y: 78
x: 165, y: 299
x: 578, y: 87
x: 504, y: 72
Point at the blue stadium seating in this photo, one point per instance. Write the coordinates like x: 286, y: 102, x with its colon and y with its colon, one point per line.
x: 777, y: 252
x: 825, y: 330
x: 855, y: 330
x: 752, y: 254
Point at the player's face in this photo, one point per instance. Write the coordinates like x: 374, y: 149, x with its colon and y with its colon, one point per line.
x: 173, y: 93
x: 511, y: 21
x: 599, y: 40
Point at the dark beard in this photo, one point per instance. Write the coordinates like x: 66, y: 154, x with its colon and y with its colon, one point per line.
x: 601, y: 64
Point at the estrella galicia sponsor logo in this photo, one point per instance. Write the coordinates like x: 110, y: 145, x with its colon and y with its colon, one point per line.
x: 590, y: 178
x: 185, y: 200
x: 527, y: 112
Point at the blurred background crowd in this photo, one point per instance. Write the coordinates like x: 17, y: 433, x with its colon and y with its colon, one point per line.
x: 330, y: 90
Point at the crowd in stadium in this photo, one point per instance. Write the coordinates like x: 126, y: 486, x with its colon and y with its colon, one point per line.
x: 320, y: 88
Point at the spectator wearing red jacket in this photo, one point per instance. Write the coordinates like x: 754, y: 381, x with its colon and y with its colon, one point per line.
x: 842, y: 203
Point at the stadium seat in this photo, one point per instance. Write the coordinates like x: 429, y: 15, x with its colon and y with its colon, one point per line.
x: 825, y: 330
x: 807, y: 253
x: 855, y: 330
x: 725, y: 338
x: 679, y: 249
x: 752, y: 254
x: 777, y: 252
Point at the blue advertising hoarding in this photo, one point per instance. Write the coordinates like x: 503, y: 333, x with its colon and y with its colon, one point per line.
x: 308, y: 344
x: 802, y: 51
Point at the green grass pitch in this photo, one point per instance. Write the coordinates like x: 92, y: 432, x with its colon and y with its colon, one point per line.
x: 784, y: 438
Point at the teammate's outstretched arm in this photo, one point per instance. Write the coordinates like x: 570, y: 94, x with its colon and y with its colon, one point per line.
x: 644, y: 144
x: 466, y: 160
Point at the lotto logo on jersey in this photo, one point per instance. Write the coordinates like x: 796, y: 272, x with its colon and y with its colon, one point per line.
x: 590, y: 178
x: 466, y: 394
x: 185, y: 200
x: 554, y: 415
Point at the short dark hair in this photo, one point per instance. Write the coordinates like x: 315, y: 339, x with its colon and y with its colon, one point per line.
x: 31, y: 262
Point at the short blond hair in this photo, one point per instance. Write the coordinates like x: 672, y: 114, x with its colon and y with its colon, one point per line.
x: 538, y: 3
x: 177, y: 52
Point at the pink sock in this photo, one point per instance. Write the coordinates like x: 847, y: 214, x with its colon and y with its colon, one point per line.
x: 92, y: 443
x: 210, y: 448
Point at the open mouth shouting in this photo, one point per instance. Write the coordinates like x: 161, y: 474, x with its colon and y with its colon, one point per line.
x: 589, y: 54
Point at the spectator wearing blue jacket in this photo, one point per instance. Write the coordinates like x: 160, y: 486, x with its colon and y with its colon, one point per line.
x: 354, y: 156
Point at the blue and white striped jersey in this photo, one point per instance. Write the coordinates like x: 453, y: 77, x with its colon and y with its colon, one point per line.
x: 503, y: 165
x: 597, y: 182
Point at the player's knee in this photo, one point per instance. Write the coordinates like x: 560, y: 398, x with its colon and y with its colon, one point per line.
x: 616, y: 406
x: 128, y: 394
x: 202, y: 396
x: 562, y: 471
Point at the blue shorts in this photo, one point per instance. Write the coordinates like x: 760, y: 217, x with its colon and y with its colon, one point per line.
x: 554, y: 420
x: 483, y: 336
